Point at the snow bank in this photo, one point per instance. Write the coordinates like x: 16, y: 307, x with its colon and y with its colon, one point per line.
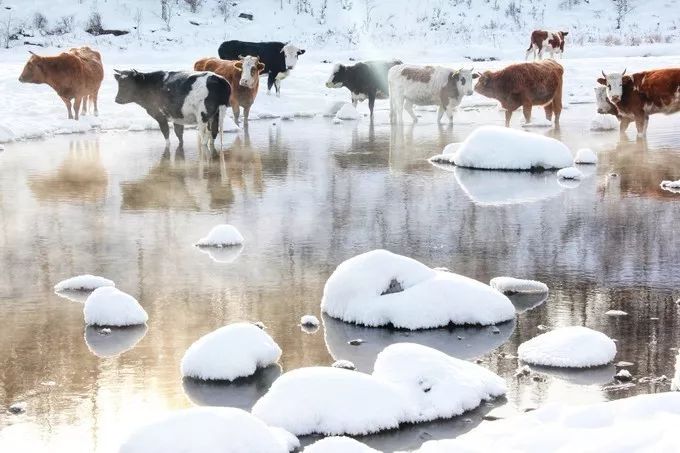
x: 339, y: 444
x: 108, y: 306
x: 516, y: 285
x: 230, y: 352
x: 576, y: 347
x: 671, y: 186
x: 209, y: 430
x: 501, y: 148
x: 347, y: 112
x: 601, y: 123
x: 380, y: 288
x: 221, y: 236
x: 571, y: 173
x: 83, y: 283
x: 106, y: 343
x: 645, y: 423
x: 585, y: 156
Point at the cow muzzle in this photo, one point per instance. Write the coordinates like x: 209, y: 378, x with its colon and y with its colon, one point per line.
x: 616, y: 98
x: 245, y: 83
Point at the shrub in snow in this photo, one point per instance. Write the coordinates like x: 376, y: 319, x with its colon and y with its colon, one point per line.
x: 221, y: 236
x: 517, y: 285
x: 108, y: 306
x: 347, y: 112
x: 575, y: 347
x: 339, y: 444
x: 113, y: 342
x: 83, y: 283
x: 572, y: 173
x: 230, y: 352
x: 309, y: 321
x: 209, y: 430
x: 671, y: 186
x: 604, y: 123
x: 380, y: 288
x: 585, y: 156
x: 501, y: 148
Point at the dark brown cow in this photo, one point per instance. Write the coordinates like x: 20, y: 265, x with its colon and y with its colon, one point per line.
x: 244, y: 77
x: 525, y: 85
x: 552, y: 41
x: 76, y: 74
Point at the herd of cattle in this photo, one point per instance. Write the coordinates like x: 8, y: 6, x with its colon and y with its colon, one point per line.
x: 200, y: 97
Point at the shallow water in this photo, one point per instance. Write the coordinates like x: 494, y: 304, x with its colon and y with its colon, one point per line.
x: 306, y: 195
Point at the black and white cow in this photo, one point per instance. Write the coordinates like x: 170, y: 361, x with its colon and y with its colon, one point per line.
x: 365, y: 80
x: 278, y: 58
x: 181, y: 97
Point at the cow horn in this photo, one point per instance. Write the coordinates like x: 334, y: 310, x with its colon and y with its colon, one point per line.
x: 624, y: 72
x: 33, y: 53
x: 604, y: 75
x: 117, y: 71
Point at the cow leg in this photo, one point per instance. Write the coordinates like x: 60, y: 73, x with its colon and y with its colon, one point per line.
x: 95, y: 95
x: 163, y: 124
x: 526, y: 109
x: 529, y: 50
x: 67, y: 102
x: 246, y: 114
x: 449, y: 112
x: 179, y: 132
x: 548, y: 111
x: 508, y: 115
x: 83, y: 112
x: 623, y: 125
x: 540, y: 53
x: 371, y: 102
x: 408, y: 105
x: 641, y: 122
x: 76, y: 107
x: 235, y: 109
x: 270, y: 82
x: 277, y: 84
x: 440, y: 114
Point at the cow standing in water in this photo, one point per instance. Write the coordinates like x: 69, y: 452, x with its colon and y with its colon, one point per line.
x: 427, y: 85
x: 525, y: 85
x: 542, y: 40
x: 75, y: 75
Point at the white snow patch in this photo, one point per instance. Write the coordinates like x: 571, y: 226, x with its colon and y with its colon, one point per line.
x: 230, y: 352
x: 380, y: 288
x: 616, y: 313
x: 339, y: 444
x: 346, y: 364
x: 348, y: 112
x: 572, y: 173
x: 309, y: 321
x: 585, y: 156
x: 623, y: 375
x: 671, y: 186
x: 109, y: 306
x: 601, y: 123
x: 517, y: 285
x: 209, y: 430
x: 571, y: 347
x: 83, y: 283
x: 221, y: 236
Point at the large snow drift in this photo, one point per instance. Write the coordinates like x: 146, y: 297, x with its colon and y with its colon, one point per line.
x: 230, y: 352
x: 108, y: 306
x: 209, y: 430
x: 339, y: 444
x: 645, y: 423
x: 501, y: 148
x: 221, y: 236
x: 574, y: 347
x: 83, y: 283
x: 380, y: 288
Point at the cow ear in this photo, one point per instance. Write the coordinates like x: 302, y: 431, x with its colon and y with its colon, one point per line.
x: 117, y: 71
x: 565, y: 33
x: 602, y: 81
x: 475, y: 75
x: 239, y: 66
x: 301, y: 51
x: 240, y: 57
x: 260, y: 67
x: 638, y: 78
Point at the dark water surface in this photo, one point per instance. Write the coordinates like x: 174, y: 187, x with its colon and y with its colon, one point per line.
x: 307, y: 195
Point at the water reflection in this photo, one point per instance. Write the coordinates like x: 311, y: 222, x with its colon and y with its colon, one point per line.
x: 527, y: 301
x: 600, y: 375
x: 224, y: 255
x: 496, y: 188
x: 111, y: 342
x: 74, y: 295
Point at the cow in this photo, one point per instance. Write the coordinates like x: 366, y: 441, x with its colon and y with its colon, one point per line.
x: 365, y: 80
x: 278, y: 58
x: 552, y: 41
x: 427, y: 85
x: 525, y: 85
x: 181, y: 97
x: 75, y: 75
x: 244, y: 77
x: 641, y: 94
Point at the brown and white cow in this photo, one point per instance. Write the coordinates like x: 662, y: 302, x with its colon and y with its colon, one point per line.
x: 542, y: 40
x: 525, y: 85
x: 641, y: 94
x: 427, y: 85
x: 244, y: 77
x: 76, y: 74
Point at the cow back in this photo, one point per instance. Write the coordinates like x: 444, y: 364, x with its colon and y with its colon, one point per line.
x: 269, y: 53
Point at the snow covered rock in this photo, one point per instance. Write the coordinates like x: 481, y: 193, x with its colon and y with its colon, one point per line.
x: 221, y: 236
x: 501, y: 148
x: 346, y: 364
x: 671, y: 186
x: 623, y: 376
x: 309, y: 321
x: 516, y: 285
x: 209, y: 430
x: 347, y: 112
x: 339, y: 444
x: 18, y: 408
x: 380, y: 288
x: 601, y: 123
x: 571, y: 173
x: 83, y: 283
x: 230, y: 352
x: 108, y: 306
x: 107, y: 342
x: 574, y: 347
x: 616, y: 313
x: 585, y: 156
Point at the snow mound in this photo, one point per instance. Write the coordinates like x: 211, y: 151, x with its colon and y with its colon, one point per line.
x: 309, y: 321
x: 339, y: 444
x: 645, y: 423
x: 108, y: 306
x: 616, y: 313
x: 380, y: 288
x: 230, y: 352
x: 209, y: 430
x: 585, y: 156
x: 517, y: 285
x: 571, y: 347
x: 107, y: 343
x: 346, y: 364
x: 572, y: 173
x: 671, y: 186
x: 83, y: 283
x: 221, y: 236
x: 347, y: 112
x: 436, y: 385
x: 601, y: 123
x: 501, y: 148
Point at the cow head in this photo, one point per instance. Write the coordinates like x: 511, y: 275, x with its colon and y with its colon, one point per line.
x: 33, y: 70
x: 485, y: 83
x: 250, y: 68
x: 463, y: 80
x: 604, y: 105
x: 337, y: 76
x: 291, y: 54
x: 614, y: 83
x: 129, y: 88
x: 564, y: 33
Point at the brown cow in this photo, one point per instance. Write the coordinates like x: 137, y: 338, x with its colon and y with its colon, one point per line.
x: 76, y: 74
x: 244, y: 77
x: 525, y: 85
x: 552, y: 41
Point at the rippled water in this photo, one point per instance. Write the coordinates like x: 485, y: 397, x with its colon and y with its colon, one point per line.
x: 306, y: 195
